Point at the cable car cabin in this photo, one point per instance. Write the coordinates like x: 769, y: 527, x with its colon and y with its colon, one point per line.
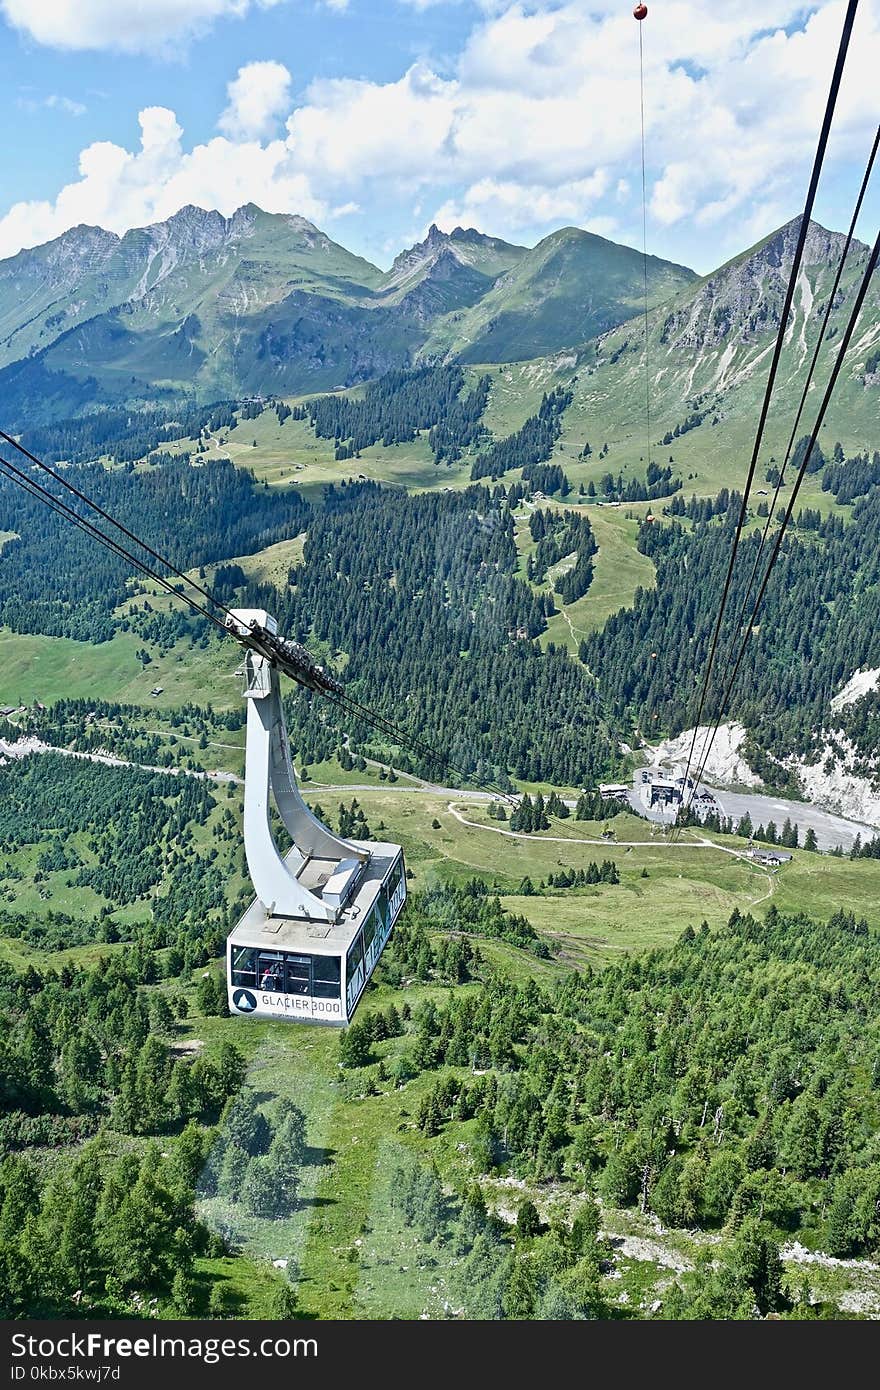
x: 312, y: 937
x: 296, y: 968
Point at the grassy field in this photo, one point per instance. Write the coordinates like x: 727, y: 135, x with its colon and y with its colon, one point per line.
x: 19, y: 955
x: 291, y: 455
x: 685, y: 883
x: 56, y: 668
x: 663, y: 886
x: 618, y: 571
x: 269, y: 566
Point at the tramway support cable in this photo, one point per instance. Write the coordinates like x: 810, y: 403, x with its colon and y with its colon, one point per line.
x: 641, y: 13
x: 777, y: 545
x: 114, y: 521
x: 818, y: 161
x: 780, y: 482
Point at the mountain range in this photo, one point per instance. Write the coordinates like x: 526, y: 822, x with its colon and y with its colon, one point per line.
x: 261, y: 302
x: 209, y: 307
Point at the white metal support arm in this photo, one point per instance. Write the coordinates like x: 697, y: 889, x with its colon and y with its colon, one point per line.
x: 268, y: 771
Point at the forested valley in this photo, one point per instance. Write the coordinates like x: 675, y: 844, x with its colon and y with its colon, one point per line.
x: 796, y: 660
x: 56, y: 579
x: 420, y: 594
x: 728, y: 1084
x: 725, y: 1088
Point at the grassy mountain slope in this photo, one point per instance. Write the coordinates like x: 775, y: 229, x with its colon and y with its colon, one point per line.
x: 157, y: 275
x: 572, y: 286
x: 709, y: 354
x: 216, y: 307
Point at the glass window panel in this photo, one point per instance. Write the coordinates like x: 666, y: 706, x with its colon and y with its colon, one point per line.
x: 244, y: 968
x: 369, y: 931
x: 298, y: 975
x: 270, y: 971
x: 326, y: 976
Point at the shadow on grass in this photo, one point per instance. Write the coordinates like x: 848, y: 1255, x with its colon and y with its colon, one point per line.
x: 314, y: 1156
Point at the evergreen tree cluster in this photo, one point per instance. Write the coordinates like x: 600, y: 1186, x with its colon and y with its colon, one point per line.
x: 356, y: 1043
x: 851, y: 478
x: 436, y: 633
x: 106, y: 1234
x: 352, y: 821
x: 93, y: 1043
x: 692, y: 421
x: 124, y: 435
x: 559, y: 534
x: 868, y: 849
x: 659, y: 482
x: 256, y: 1158
x: 57, y: 580
x: 722, y: 1083
x: 531, y: 1271
x: 704, y: 508
x: 141, y: 853
x: 606, y: 872
x: 547, y: 478
x: 394, y: 408
x: 792, y: 666
x: 138, y: 824
x: 470, y: 910
x: 531, y: 444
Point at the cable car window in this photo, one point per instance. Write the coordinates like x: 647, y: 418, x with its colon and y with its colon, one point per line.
x: 270, y: 971
x: 298, y: 975
x: 244, y: 966
x: 326, y: 976
x: 369, y: 932
x: 355, y: 955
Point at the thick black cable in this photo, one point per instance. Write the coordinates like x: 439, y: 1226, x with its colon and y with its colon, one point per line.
x: 832, y: 381
x: 96, y: 507
x: 818, y: 161
x: 809, y: 379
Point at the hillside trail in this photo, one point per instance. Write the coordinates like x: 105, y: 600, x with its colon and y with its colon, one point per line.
x: 29, y: 746
x: 693, y: 843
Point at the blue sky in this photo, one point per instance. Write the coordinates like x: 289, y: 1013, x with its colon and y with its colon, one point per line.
x: 373, y: 119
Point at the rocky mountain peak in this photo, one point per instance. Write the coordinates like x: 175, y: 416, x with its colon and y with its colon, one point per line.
x: 744, y: 298
x: 463, y: 247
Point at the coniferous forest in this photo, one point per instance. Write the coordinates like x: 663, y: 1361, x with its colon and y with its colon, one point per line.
x: 58, y: 580
x: 420, y: 592
x: 725, y: 1086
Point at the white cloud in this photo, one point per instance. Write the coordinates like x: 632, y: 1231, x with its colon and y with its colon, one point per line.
x: 65, y: 104
x: 258, y: 96
x: 536, y: 124
x: 53, y: 102
x: 489, y: 204
x: 132, y: 26
x: 349, y: 129
x: 119, y: 189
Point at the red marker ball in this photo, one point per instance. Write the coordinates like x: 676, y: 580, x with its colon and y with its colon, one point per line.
x: 641, y: 12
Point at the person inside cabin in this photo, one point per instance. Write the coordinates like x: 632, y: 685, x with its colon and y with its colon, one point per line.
x: 271, y: 976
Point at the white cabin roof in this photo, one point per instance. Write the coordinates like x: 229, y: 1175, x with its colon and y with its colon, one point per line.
x: 259, y: 927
